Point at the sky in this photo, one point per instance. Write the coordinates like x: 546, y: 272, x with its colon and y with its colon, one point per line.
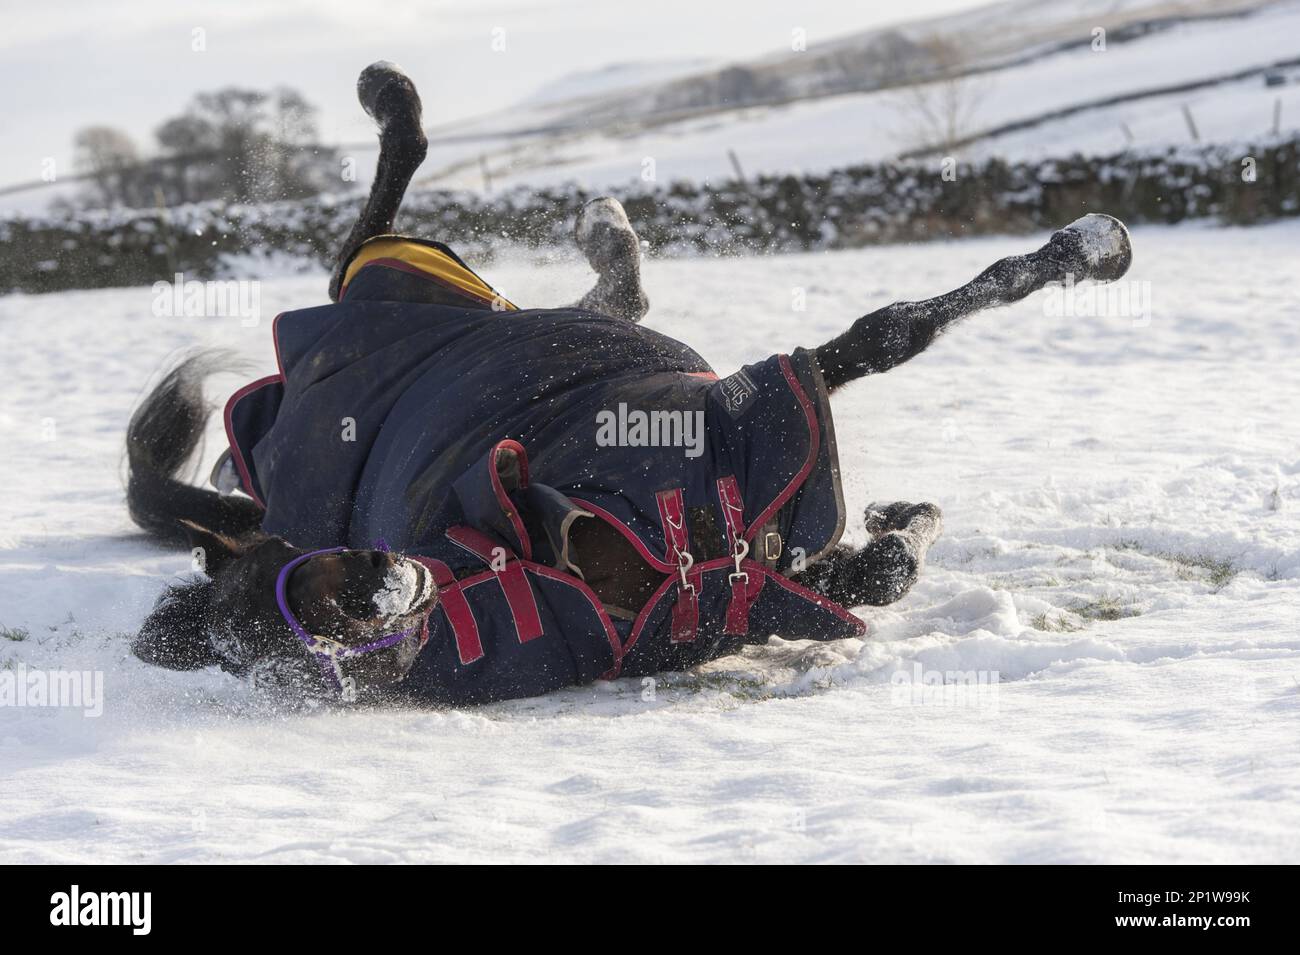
x: 131, y: 64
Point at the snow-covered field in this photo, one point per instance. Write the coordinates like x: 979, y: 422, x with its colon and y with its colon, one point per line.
x: 1122, y: 497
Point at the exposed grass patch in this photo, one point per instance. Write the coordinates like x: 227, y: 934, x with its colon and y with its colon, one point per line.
x: 1059, y: 624
x: 1104, y: 608
x: 1077, y: 615
x: 16, y: 634
x: 735, y: 684
x: 1084, y: 555
x: 1218, y: 572
x: 969, y: 555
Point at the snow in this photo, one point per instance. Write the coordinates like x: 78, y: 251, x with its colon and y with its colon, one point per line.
x: 1104, y: 237
x: 403, y: 586
x: 1145, y: 469
x: 831, y: 132
x: 612, y: 78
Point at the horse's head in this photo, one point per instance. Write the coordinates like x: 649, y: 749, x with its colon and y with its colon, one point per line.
x: 341, y: 621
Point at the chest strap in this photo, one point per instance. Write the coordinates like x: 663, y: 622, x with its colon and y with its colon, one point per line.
x: 464, y: 628
x: 686, y: 610
x: 509, y: 574
x: 743, y: 591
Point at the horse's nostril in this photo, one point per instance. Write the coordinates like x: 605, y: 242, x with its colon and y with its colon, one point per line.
x: 379, y: 560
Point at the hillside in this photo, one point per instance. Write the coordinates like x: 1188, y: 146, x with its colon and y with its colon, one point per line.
x: 1030, y: 92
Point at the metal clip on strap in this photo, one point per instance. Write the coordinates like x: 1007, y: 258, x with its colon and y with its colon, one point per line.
x: 686, y: 611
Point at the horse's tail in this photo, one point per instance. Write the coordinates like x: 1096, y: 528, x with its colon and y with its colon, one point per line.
x: 164, y: 433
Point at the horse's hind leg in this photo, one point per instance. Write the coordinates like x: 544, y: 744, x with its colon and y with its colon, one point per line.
x: 614, y: 251
x: 885, y: 569
x: 1094, y: 247
x: 389, y: 96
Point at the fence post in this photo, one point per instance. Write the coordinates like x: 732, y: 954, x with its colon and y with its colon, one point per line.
x: 735, y: 164
x: 165, y: 218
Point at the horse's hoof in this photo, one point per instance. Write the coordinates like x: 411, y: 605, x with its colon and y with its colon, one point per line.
x: 899, y: 516
x: 373, y: 90
x: 1097, y: 247
x: 881, y: 518
x: 605, y: 235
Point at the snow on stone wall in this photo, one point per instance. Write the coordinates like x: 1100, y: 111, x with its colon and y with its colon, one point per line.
x: 846, y: 208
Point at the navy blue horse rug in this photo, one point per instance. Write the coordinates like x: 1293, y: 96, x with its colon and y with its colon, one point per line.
x: 426, y: 414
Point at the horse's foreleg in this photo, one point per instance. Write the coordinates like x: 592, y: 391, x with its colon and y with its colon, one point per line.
x: 1093, y: 247
x: 607, y: 238
x: 389, y: 96
x: 884, y: 570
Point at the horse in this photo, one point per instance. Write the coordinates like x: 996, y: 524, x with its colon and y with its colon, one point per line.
x: 446, y: 499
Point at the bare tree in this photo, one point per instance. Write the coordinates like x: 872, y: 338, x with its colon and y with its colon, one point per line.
x: 108, y: 156
x: 941, y: 94
x: 245, y: 145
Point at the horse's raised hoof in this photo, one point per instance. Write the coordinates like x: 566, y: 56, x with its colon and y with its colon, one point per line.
x: 1096, y: 247
x: 925, y: 519
x: 389, y: 97
x: 374, y: 85
x: 605, y: 235
x: 613, y: 249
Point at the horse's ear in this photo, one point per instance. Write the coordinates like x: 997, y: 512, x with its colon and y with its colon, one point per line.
x: 175, y: 634
x: 211, y: 549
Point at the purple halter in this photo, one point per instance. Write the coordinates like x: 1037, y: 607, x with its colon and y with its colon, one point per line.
x: 328, y: 652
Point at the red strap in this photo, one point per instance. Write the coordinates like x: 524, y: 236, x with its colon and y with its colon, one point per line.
x: 744, y: 586
x: 523, y: 605
x: 672, y: 512
x: 686, y: 611
x: 513, y: 580
x: 503, y: 499
x: 480, y: 545
x: 733, y: 508
x: 464, y: 628
x: 744, y: 591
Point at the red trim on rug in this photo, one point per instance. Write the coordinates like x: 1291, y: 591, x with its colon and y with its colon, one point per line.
x: 519, y: 595
x: 653, y: 602
x: 658, y: 564
x: 751, y: 567
x: 275, y: 340
x: 464, y: 628
x: 824, y: 602
x: 503, y: 499
x: 238, y: 455
x: 477, y: 543
x: 814, y: 445
x: 610, y: 633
